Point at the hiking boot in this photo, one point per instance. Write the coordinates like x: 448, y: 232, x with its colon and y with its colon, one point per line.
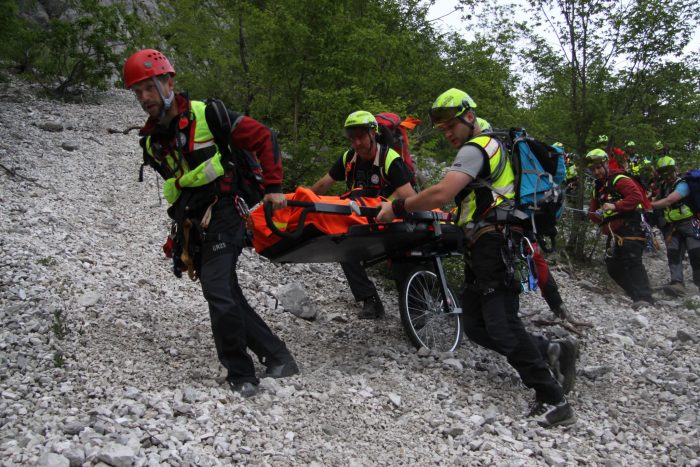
x: 372, y: 308
x: 245, y: 390
x: 675, y: 289
x: 549, y: 415
x: 287, y: 367
x: 561, y: 312
x: 561, y: 356
x: 640, y: 304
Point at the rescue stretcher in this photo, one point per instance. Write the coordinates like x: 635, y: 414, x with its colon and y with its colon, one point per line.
x: 429, y: 311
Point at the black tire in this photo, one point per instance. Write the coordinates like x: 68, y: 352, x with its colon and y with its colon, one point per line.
x: 423, y: 315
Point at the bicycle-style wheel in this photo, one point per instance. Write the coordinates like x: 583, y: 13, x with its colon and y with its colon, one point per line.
x: 423, y: 314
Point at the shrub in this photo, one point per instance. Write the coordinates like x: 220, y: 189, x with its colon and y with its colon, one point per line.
x: 73, y: 52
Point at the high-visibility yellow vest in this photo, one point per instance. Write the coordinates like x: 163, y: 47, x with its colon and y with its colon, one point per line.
x: 479, y: 200
x: 377, y: 178
x: 678, y: 211
x: 195, y: 161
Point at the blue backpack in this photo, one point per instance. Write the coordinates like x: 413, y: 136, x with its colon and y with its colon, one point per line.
x: 692, y: 178
x: 539, y: 169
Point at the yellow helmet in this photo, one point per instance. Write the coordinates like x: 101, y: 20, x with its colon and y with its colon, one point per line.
x: 665, y: 162
x: 448, y: 105
x: 596, y: 155
x: 484, y: 124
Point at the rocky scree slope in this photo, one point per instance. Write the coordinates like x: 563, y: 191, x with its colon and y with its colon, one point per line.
x: 106, y: 358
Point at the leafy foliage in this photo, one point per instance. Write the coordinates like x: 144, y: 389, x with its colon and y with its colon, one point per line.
x: 301, y: 66
x: 73, y: 52
x: 619, y: 70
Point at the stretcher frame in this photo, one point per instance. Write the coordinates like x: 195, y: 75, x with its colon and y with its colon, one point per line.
x: 429, y: 310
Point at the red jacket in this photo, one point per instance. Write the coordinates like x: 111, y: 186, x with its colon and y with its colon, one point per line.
x: 248, y: 134
x: 627, y: 197
x: 618, y: 159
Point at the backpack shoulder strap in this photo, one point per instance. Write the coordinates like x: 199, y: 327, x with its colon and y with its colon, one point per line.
x: 613, y: 181
x: 149, y: 160
x: 488, y: 151
x: 348, y: 156
x: 385, y: 162
x: 348, y: 159
x: 222, y: 122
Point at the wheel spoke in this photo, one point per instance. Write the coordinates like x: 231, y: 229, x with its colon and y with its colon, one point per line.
x: 425, y: 309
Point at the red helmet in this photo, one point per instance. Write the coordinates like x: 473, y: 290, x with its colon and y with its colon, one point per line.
x: 145, y: 64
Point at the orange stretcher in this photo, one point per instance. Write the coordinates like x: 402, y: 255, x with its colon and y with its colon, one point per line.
x: 323, y: 229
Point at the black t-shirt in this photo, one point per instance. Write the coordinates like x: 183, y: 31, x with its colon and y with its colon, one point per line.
x: 398, y: 174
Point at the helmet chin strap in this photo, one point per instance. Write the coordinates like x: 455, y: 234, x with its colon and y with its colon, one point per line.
x: 167, y: 101
x: 466, y: 122
x: 471, y: 128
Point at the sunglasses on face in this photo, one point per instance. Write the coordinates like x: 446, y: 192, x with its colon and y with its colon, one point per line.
x: 442, y: 115
x: 356, y: 133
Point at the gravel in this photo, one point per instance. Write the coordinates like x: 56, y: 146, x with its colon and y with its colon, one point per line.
x: 107, y: 359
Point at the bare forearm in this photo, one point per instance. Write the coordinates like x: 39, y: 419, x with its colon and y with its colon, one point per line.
x: 440, y: 194
x: 322, y: 186
x: 666, y: 202
x: 404, y: 191
x: 431, y: 198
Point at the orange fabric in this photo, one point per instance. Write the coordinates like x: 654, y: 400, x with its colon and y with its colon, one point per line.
x: 411, y: 123
x: 263, y: 237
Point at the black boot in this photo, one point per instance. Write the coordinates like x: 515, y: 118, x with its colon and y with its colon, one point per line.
x: 372, y: 308
x: 282, y: 368
x: 562, y: 355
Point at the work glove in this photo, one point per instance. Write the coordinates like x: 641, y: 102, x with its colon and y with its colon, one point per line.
x: 170, y: 191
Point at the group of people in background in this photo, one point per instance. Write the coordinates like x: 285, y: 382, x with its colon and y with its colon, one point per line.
x: 631, y: 195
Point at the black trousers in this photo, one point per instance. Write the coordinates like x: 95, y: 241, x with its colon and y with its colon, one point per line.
x: 235, y: 325
x: 550, y: 293
x: 624, y: 262
x: 360, y: 284
x: 490, y: 308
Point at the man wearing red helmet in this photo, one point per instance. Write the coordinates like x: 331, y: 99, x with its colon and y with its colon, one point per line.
x: 179, y: 143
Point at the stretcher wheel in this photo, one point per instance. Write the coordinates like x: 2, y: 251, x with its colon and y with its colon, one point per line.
x: 423, y: 315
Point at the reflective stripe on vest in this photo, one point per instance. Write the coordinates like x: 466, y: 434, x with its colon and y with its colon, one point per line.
x: 503, y: 186
x: 611, y: 197
x: 391, y: 156
x: 201, y: 138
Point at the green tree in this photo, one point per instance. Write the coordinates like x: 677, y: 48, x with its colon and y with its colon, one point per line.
x: 74, y: 51
x: 302, y: 66
x: 15, y: 51
x: 603, y: 71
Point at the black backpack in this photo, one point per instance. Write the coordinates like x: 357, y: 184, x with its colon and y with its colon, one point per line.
x: 247, y: 172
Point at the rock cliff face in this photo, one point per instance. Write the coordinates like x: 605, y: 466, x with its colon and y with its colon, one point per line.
x: 106, y: 358
x: 42, y: 11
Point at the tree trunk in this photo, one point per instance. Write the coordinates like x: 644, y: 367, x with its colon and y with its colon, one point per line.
x: 244, y: 64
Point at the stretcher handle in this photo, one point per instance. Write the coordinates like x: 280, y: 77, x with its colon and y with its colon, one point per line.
x: 295, y: 235
x: 344, y: 209
x: 367, y: 211
x: 331, y: 208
